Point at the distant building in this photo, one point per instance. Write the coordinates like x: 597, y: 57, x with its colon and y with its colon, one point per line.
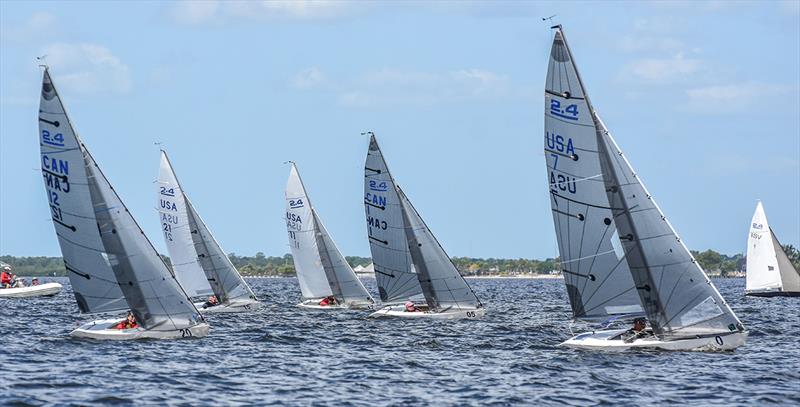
x: 364, y: 270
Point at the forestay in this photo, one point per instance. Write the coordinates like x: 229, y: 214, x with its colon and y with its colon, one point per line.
x: 676, y: 294
x: 111, y: 264
x: 598, y: 280
x: 303, y: 240
x: 394, y: 271
x: 443, y: 286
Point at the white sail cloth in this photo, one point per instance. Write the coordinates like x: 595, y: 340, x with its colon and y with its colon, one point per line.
x: 404, y: 247
x: 768, y: 267
x: 676, y: 295
x: 394, y: 271
x: 111, y: 264
x: 199, y: 263
x: 321, y: 268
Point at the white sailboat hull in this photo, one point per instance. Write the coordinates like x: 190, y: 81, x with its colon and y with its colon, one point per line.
x: 772, y: 293
x: 231, y: 307
x: 41, y: 290
x: 314, y: 304
x: 103, y: 329
x: 399, y: 311
x: 609, y: 340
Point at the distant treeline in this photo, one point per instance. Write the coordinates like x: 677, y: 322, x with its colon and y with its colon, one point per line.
x: 261, y: 265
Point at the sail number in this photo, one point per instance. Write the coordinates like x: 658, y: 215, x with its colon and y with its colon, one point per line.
x: 470, y: 314
x: 53, y: 140
x: 186, y: 333
x: 570, y: 112
x: 560, y: 146
x: 56, y: 179
x: 167, y: 191
x: 294, y: 221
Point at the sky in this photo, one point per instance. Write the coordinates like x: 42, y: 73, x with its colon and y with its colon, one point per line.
x: 703, y: 97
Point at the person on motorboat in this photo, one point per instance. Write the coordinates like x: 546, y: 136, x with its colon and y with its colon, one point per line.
x: 411, y: 307
x: 211, y: 302
x: 329, y: 300
x: 128, y: 323
x: 6, y: 278
x: 638, y: 330
x: 35, y: 281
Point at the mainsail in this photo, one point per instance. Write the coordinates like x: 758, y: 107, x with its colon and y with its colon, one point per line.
x: 394, y: 271
x: 111, y: 264
x: 768, y: 267
x: 200, y: 264
x: 677, y: 296
x: 303, y: 240
x: 598, y: 280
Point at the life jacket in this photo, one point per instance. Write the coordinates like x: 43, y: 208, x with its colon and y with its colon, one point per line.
x: 125, y: 325
x: 324, y: 302
x: 5, y: 278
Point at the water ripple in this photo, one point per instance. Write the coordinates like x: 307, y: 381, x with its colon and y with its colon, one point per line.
x: 283, y: 355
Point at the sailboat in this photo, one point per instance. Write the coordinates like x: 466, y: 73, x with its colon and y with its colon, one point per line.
x: 620, y: 255
x: 111, y: 264
x: 769, y: 271
x: 199, y: 263
x: 408, y: 259
x: 321, y: 269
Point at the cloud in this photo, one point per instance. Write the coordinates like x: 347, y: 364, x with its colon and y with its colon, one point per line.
x: 307, y: 78
x: 390, y: 86
x: 664, y: 70
x: 87, y: 68
x: 214, y: 11
x: 732, y: 98
x: 195, y: 11
x: 39, y: 25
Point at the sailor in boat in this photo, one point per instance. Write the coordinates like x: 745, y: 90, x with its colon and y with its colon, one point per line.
x: 638, y: 330
x: 128, y: 323
x: 411, y: 307
x: 212, y: 302
x: 35, y: 281
x: 329, y: 300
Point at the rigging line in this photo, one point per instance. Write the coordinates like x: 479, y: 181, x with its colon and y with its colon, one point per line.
x: 599, y: 243
x: 690, y: 303
x: 587, y: 257
x: 672, y: 291
x: 577, y: 180
x: 568, y: 121
x: 613, y: 298
x: 554, y: 93
x: 608, y: 275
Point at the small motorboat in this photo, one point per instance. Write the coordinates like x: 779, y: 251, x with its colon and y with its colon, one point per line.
x: 40, y: 290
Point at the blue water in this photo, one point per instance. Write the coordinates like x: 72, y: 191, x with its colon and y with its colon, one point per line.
x: 283, y: 355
